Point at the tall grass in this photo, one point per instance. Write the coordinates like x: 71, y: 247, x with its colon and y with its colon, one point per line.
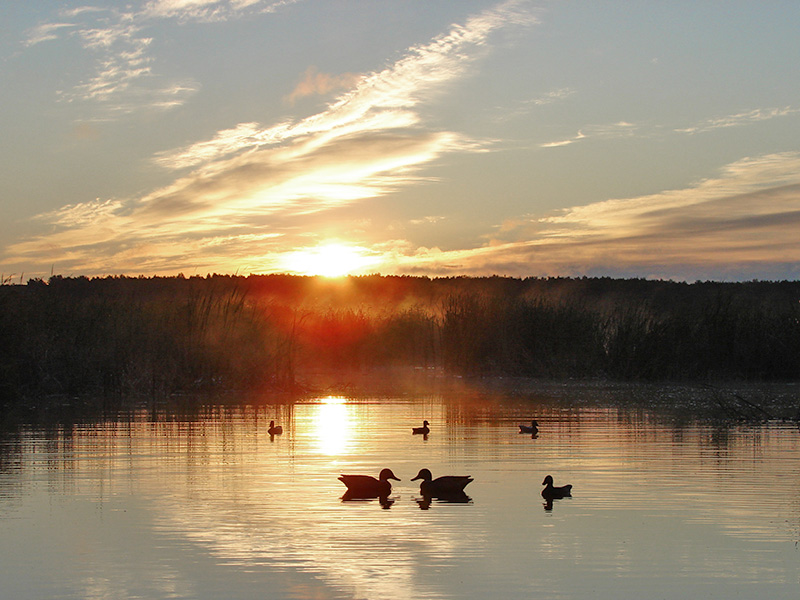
x: 69, y: 338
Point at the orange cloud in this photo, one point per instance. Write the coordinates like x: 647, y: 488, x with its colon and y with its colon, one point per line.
x: 315, y: 83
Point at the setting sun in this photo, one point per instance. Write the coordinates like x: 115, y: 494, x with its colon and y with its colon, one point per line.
x: 328, y: 260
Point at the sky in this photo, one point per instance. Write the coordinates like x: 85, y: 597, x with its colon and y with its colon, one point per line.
x: 422, y: 137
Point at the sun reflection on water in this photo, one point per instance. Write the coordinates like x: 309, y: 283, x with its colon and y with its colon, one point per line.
x: 332, y: 425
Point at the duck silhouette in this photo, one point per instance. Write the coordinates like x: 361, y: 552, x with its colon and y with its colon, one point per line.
x: 551, y: 492
x: 441, y: 487
x: 366, y: 486
x: 534, y: 428
x: 274, y: 429
x: 424, y: 430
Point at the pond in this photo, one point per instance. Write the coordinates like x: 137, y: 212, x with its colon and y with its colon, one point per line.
x: 208, y: 505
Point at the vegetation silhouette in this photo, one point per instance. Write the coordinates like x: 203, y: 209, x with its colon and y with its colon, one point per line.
x: 84, y: 344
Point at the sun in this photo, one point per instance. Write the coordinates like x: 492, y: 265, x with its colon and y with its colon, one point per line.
x: 333, y: 259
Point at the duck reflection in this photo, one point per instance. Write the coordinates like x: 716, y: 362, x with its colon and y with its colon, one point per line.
x: 454, y: 498
x: 384, y: 501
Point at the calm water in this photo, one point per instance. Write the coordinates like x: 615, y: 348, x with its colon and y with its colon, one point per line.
x: 209, y: 507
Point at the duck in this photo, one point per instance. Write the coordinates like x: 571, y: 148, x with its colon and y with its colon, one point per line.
x: 550, y: 491
x: 534, y: 428
x: 274, y: 429
x: 366, y: 486
x: 445, y: 486
x: 424, y: 430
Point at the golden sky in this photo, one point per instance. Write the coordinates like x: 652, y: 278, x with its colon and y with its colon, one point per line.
x: 515, y: 138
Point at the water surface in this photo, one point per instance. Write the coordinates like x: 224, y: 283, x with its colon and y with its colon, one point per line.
x: 209, y: 506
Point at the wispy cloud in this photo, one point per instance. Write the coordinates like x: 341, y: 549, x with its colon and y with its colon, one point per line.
x: 124, y: 79
x: 225, y: 142
x: 525, y: 107
x: 46, y: 32
x: 740, y: 119
x: 615, y: 130
x: 625, y: 129
x: 255, y: 180
x: 550, y: 97
x: 741, y: 224
x: 210, y: 10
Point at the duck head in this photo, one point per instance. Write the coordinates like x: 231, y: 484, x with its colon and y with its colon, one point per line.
x: 423, y: 474
x: 387, y: 474
x: 548, y: 480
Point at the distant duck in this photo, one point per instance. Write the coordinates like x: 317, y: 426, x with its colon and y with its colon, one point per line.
x: 448, y: 485
x: 424, y: 430
x: 534, y: 428
x: 366, y: 486
x: 551, y: 492
x: 274, y: 429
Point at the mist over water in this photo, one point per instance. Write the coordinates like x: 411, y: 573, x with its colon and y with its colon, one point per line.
x: 209, y: 505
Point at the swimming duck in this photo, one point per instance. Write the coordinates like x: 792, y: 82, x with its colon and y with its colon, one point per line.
x: 550, y: 491
x: 365, y: 486
x: 424, y: 430
x: 448, y: 485
x: 273, y: 429
x: 534, y: 428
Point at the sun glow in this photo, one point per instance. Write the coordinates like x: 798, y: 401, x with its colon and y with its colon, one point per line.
x: 329, y: 260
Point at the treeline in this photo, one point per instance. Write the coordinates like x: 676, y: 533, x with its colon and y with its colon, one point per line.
x: 126, y: 337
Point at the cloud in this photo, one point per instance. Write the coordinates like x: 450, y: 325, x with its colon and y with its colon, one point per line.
x: 117, y: 72
x: 626, y: 129
x: 379, y: 101
x: 46, y: 32
x: 740, y: 224
x: 224, y: 142
x: 525, y: 107
x: 251, y: 180
x: 124, y: 81
x: 613, y: 131
x: 550, y: 97
x: 740, y: 119
x: 210, y: 10
x: 316, y: 83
